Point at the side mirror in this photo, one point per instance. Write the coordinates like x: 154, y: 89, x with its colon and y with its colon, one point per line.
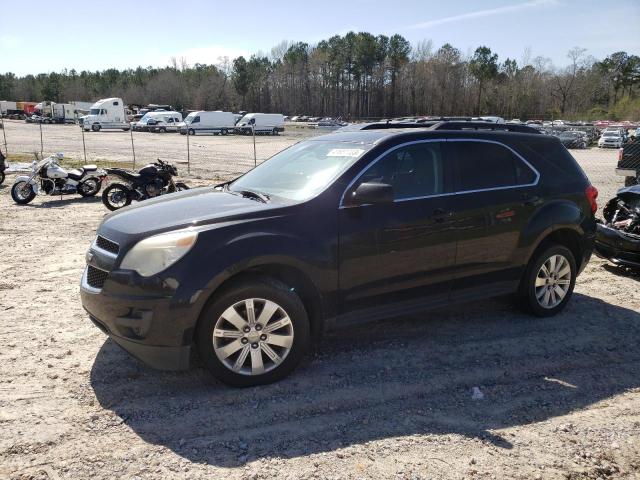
x: 370, y: 193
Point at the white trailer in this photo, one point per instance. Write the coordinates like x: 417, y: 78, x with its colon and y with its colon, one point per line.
x: 7, y: 105
x: 217, y: 122
x: 262, y: 123
x: 106, y: 114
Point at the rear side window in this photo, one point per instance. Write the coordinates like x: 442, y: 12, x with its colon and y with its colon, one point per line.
x: 413, y: 171
x: 483, y: 165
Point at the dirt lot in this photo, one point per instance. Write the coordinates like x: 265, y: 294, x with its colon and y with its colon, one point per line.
x: 387, y: 400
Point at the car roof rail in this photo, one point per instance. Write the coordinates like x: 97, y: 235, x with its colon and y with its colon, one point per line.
x: 505, y: 127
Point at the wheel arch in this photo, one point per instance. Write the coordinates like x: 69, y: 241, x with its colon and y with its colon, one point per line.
x: 287, y: 273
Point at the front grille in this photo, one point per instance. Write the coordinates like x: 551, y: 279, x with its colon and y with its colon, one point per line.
x: 96, y: 277
x: 107, y: 245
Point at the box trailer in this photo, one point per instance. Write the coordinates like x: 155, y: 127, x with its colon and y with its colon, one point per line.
x: 106, y: 114
x: 217, y: 122
x: 7, y: 105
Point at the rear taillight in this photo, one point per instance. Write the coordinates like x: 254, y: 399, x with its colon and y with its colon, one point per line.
x: 620, y: 154
x: 592, y: 193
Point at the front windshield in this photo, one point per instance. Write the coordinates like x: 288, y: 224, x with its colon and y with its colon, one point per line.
x: 301, y: 171
x: 245, y: 119
x: 189, y: 118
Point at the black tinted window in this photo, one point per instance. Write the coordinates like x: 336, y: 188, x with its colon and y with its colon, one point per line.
x: 196, y: 119
x: 489, y: 165
x: 412, y: 171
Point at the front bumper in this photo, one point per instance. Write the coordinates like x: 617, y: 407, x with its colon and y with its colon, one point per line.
x: 618, y: 247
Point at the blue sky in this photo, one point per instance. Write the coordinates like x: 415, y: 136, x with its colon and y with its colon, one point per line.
x: 97, y: 35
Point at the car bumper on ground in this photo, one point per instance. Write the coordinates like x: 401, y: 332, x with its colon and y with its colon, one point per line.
x: 618, y: 247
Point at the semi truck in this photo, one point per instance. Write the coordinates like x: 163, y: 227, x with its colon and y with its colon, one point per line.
x: 106, y: 114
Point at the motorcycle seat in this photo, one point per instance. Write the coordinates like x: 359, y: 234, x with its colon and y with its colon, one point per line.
x: 75, y: 174
x: 90, y: 168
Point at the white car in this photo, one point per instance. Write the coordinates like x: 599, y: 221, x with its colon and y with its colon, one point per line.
x: 610, y: 139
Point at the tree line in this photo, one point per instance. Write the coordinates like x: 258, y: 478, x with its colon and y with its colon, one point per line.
x: 361, y: 75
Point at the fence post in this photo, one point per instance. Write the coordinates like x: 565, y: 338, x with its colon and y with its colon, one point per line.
x: 84, y: 147
x: 253, y: 131
x: 41, y: 143
x: 188, y: 153
x: 4, y: 134
x: 133, y: 148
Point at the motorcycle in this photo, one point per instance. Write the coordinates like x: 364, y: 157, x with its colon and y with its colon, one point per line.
x: 150, y: 181
x: 49, y: 178
x: 3, y: 166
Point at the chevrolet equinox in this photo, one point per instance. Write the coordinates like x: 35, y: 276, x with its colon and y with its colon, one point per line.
x: 349, y: 226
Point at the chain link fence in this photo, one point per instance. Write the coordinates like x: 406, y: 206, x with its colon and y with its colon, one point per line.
x: 211, y: 157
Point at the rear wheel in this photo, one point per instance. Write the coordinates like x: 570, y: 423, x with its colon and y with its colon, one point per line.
x: 253, y: 333
x: 224, y: 131
x: 548, y: 281
x: 22, y: 192
x: 90, y: 187
x: 116, y: 196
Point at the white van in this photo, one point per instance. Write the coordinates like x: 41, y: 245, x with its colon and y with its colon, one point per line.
x: 217, y: 122
x: 107, y: 113
x: 158, y: 121
x: 264, y: 123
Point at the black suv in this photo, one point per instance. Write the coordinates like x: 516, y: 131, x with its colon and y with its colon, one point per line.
x: 344, y: 227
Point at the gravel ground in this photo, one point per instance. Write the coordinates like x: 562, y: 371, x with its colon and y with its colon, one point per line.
x: 560, y: 396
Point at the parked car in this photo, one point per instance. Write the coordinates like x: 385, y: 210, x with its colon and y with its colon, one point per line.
x: 610, y: 139
x: 629, y: 163
x: 345, y: 227
x: 573, y: 139
x: 618, y: 237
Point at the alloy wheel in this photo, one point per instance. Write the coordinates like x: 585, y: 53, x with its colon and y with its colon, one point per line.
x: 253, y: 336
x: 553, y: 281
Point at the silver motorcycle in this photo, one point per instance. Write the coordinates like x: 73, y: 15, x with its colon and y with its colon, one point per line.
x: 47, y: 177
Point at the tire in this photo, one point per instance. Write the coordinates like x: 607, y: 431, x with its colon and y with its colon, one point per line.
x: 2, y: 177
x: 534, y: 286
x: 181, y: 186
x: 116, y: 204
x: 93, y: 190
x: 293, y: 335
x: 22, y: 197
x: 224, y: 131
x: 274, y: 132
x: 192, y: 131
x: 95, y: 127
x: 163, y: 130
x: 628, y: 181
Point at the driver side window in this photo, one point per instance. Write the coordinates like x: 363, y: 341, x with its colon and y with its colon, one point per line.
x: 413, y: 171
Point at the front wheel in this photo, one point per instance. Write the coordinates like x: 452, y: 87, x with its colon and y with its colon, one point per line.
x: 90, y: 187
x: 116, y: 196
x: 548, y: 281
x: 22, y: 192
x: 253, y: 333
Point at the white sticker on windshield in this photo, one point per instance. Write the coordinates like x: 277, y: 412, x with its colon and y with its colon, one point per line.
x: 345, y: 152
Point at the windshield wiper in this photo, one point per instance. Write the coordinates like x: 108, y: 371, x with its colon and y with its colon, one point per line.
x: 261, y: 197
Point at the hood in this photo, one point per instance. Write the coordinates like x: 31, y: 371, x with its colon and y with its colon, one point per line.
x: 189, y: 208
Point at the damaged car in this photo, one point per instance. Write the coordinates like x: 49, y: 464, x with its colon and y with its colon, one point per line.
x: 618, y: 238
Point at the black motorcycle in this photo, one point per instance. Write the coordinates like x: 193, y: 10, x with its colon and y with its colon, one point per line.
x: 150, y: 181
x: 3, y: 166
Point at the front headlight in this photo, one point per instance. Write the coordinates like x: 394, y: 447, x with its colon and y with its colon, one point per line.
x: 154, y: 254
